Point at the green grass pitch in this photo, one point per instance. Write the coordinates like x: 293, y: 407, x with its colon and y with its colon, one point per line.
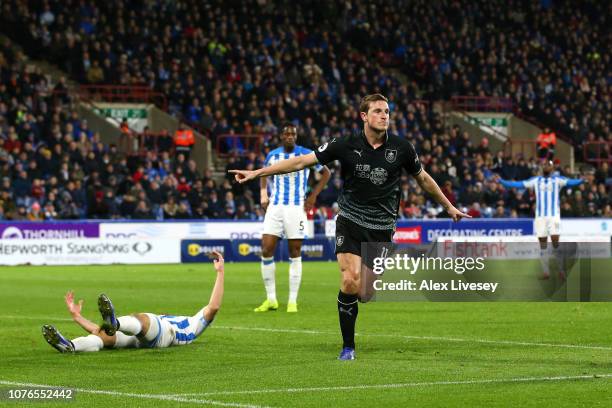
x: 409, y: 353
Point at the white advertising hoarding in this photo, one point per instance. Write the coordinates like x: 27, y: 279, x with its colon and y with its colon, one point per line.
x: 182, y: 230
x: 586, y: 226
x: 89, y: 251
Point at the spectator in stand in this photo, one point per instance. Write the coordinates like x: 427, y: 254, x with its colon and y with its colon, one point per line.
x: 142, y: 211
x: 183, y: 211
x: 474, y: 210
x: 170, y: 208
x: 98, y: 209
x: 49, y: 212
x: 128, y: 141
x: 547, y: 142
x: 127, y: 206
x: 250, y: 97
x: 184, y: 140
x: 35, y: 213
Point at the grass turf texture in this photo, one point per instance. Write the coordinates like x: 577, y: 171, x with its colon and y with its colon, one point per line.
x: 442, y: 342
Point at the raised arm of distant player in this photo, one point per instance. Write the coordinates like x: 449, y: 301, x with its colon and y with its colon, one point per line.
x: 429, y: 184
x: 284, y: 166
x: 512, y: 184
x: 530, y: 184
x: 216, y: 297
x: 312, y: 198
x: 75, y: 312
x: 573, y: 182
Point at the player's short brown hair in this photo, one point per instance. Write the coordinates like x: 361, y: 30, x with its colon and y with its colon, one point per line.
x: 364, y: 106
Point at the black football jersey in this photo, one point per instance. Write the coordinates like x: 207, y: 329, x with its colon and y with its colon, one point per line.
x: 371, y: 191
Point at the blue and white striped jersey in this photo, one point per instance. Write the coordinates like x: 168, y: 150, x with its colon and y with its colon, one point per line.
x: 547, y: 191
x: 186, y: 328
x: 290, y: 188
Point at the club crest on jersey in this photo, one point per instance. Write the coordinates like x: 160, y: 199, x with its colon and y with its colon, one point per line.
x: 339, y: 240
x: 378, y: 176
x: 391, y: 155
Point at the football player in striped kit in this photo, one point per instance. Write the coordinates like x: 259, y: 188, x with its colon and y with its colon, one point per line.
x: 286, y: 209
x: 138, y: 330
x: 547, y: 222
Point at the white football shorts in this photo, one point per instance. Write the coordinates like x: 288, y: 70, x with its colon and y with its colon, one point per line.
x: 288, y: 221
x: 545, y: 226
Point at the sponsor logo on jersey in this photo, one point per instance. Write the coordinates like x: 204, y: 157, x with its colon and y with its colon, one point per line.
x: 378, y: 176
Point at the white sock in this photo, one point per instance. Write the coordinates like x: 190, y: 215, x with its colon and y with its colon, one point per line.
x: 124, y: 341
x: 129, y: 325
x: 268, y: 269
x: 295, y: 277
x: 544, y: 261
x: 88, y: 343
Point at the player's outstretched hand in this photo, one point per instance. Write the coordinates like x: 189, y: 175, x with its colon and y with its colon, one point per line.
x: 457, y: 215
x: 242, y: 176
x: 219, y: 262
x: 74, y: 309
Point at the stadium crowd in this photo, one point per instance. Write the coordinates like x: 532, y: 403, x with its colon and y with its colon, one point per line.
x: 53, y: 167
x: 247, y: 67
x: 243, y: 66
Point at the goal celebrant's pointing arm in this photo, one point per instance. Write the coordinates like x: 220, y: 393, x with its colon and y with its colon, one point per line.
x: 284, y: 166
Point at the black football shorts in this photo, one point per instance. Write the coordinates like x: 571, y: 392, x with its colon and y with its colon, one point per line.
x: 350, y: 236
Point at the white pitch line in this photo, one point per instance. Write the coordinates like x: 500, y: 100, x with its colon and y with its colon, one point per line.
x: 160, y: 397
x: 434, y: 338
x: 401, y: 336
x: 403, y: 385
x: 41, y: 318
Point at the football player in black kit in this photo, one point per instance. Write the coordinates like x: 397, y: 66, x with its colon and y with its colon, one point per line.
x: 372, y: 163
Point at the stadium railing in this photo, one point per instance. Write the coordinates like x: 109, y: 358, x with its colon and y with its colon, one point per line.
x: 123, y: 93
x: 482, y: 104
x: 139, y: 143
x: 597, y: 152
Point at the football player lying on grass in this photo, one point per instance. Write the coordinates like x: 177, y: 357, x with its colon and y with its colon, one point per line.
x: 140, y: 329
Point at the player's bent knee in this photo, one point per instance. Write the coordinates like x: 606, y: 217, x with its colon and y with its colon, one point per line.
x: 107, y: 341
x: 145, y: 322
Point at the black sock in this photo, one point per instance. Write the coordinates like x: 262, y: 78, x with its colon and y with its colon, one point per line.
x: 347, y: 312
